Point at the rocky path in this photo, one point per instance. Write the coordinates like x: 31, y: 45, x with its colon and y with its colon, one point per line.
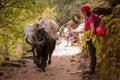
x: 65, y: 61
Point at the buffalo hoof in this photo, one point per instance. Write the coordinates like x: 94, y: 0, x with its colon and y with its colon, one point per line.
x: 39, y: 65
x: 49, y: 62
x: 43, y: 69
x: 36, y: 61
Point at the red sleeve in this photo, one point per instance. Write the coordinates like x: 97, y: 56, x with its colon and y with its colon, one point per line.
x: 91, y: 20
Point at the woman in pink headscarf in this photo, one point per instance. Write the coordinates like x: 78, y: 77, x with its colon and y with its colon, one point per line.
x: 89, y: 26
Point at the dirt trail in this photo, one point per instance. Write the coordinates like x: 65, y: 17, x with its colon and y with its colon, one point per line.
x: 65, y: 61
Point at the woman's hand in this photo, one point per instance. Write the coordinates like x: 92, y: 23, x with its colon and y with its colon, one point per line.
x: 88, y: 40
x: 92, y: 31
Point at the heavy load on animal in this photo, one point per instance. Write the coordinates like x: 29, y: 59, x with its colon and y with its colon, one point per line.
x: 51, y: 27
x: 42, y: 37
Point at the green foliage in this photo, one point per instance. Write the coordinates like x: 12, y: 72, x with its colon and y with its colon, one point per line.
x: 14, y: 16
x: 1, y: 58
x: 66, y: 9
x: 109, y: 63
x: 49, y: 13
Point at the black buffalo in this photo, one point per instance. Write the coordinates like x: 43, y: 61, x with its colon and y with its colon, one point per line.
x: 43, y: 47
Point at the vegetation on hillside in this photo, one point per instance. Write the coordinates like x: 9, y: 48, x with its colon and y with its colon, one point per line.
x: 109, y: 54
x: 16, y: 14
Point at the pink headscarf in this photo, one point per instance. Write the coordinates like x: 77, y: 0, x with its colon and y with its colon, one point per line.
x: 85, y: 8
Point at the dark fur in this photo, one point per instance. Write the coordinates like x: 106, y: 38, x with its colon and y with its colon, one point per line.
x: 44, y: 51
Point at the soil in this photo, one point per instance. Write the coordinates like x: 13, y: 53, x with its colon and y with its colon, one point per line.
x: 65, y: 64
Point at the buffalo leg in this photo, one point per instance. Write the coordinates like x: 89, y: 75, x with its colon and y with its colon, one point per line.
x: 34, y: 57
x: 38, y: 57
x: 44, y: 56
x: 49, y: 62
x: 44, y: 60
x: 52, y: 47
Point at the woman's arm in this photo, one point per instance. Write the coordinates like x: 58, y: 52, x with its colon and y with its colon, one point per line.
x: 92, y: 31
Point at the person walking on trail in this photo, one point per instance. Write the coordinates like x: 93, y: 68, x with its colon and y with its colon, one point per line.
x: 61, y: 30
x: 67, y: 34
x: 89, y: 26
